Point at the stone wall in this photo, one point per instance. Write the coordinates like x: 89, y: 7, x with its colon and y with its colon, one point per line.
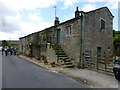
x: 95, y: 37
x: 47, y: 35
x: 35, y: 45
x: 70, y: 43
x: 70, y: 35
x: 51, y: 55
x: 22, y: 45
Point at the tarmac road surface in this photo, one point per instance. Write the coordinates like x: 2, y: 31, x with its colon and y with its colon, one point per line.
x: 19, y: 73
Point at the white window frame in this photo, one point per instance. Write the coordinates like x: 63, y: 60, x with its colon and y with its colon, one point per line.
x: 101, y: 24
x: 68, y: 30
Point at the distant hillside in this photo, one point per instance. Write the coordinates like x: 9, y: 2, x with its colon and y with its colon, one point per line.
x: 116, y: 33
x: 10, y: 40
x: 14, y: 40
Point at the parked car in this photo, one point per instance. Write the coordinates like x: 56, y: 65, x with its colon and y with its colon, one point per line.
x: 116, y: 69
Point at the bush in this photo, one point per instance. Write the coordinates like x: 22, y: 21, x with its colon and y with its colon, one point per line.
x: 46, y: 61
x: 38, y: 58
x: 52, y: 63
x: 30, y: 55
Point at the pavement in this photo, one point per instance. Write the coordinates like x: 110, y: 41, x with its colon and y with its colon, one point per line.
x: 89, y: 78
x: 92, y: 78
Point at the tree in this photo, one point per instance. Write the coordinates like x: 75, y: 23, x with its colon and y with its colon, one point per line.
x: 5, y: 43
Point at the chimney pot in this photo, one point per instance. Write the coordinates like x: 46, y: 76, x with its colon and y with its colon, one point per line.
x: 57, y: 18
x: 77, y: 13
x: 56, y: 22
x: 77, y: 9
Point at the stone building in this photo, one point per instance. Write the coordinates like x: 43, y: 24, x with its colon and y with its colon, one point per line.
x: 0, y: 43
x: 82, y: 41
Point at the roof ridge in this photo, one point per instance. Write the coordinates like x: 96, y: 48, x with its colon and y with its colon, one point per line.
x: 100, y: 9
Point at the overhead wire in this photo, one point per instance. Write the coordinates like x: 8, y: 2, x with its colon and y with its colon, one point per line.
x: 3, y: 29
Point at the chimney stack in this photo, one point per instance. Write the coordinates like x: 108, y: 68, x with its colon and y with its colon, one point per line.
x: 56, y: 22
x: 77, y: 13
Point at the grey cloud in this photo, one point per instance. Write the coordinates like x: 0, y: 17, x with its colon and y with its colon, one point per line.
x: 9, y: 26
x: 7, y: 22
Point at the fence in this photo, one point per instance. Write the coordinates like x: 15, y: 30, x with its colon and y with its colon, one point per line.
x: 100, y: 65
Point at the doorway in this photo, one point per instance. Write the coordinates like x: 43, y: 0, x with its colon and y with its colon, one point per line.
x: 58, y: 35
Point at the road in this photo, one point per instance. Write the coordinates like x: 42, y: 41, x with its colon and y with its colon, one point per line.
x: 19, y: 73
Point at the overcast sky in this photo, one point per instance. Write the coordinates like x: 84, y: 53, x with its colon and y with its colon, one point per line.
x: 21, y: 17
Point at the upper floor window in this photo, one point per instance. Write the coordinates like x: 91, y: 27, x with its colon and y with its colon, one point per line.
x: 68, y: 30
x: 102, y: 24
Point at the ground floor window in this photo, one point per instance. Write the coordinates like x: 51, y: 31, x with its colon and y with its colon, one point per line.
x: 99, y: 50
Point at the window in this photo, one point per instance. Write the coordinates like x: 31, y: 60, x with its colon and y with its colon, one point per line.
x: 68, y: 30
x: 99, y: 50
x: 102, y: 25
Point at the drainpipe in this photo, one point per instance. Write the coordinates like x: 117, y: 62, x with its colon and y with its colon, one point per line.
x: 81, y: 40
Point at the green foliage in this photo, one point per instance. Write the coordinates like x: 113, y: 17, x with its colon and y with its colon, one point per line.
x: 14, y: 40
x: 117, y: 31
x: 5, y: 43
x: 116, y: 37
x: 116, y: 43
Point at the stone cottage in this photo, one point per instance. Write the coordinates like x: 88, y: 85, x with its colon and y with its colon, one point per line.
x: 82, y: 41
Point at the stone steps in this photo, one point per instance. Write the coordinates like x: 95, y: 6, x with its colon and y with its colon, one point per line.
x: 67, y: 60
x: 69, y: 66
x: 60, y: 53
x: 62, y: 56
x: 68, y: 63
